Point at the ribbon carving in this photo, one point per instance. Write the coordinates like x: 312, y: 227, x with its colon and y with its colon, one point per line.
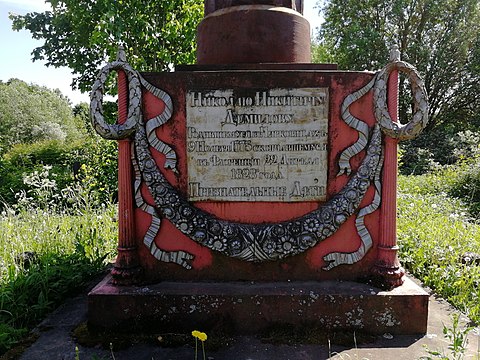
x: 256, y: 242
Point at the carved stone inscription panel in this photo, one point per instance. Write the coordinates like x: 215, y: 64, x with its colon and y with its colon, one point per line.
x: 257, y: 145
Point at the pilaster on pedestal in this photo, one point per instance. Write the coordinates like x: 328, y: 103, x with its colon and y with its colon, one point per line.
x: 127, y: 270
x: 387, y: 272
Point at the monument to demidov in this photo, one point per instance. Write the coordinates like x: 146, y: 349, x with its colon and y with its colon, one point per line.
x: 256, y: 187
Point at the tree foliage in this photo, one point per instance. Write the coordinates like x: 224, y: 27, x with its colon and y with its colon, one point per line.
x: 440, y: 37
x: 31, y: 113
x: 321, y: 53
x: 84, y: 34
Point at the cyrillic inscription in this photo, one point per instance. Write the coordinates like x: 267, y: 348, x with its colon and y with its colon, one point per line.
x: 262, y: 145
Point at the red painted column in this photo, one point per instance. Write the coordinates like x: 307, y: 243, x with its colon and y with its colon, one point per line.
x: 253, y: 32
x: 387, y: 269
x: 126, y: 270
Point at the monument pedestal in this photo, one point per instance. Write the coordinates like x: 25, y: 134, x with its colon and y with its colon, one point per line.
x: 250, y: 307
x: 261, y: 187
x: 202, y: 193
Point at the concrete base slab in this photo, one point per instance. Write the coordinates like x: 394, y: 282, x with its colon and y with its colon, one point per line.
x: 249, y: 307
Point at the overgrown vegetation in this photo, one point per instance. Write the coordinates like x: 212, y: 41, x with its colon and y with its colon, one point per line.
x: 57, y: 211
x: 30, y: 113
x: 439, y: 238
x: 91, y: 163
x: 46, y: 254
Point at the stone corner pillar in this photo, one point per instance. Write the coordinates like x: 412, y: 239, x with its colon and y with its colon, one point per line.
x: 126, y: 270
x: 387, y: 272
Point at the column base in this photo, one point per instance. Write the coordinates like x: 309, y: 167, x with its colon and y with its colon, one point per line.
x: 387, y: 277
x: 126, y: 277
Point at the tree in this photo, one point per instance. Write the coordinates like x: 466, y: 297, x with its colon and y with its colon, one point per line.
x: 85, y: 34
x: 31, y: 113
x: 321, y: 53
x: 440, y: 37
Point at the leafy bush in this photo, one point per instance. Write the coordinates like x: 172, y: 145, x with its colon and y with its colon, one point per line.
x: 438, y: 147
x: 467, y: 187
x: 461, y: 181
x: 417, y: 161
x: 99, y: 170
x: 427, y: 152
x: 90, y: 165
x: 30, y: 113
x: 12, y: 182
x: 438, y: 182
x: 467, y: 145
x: 24, y: 159
x: 49, y: 152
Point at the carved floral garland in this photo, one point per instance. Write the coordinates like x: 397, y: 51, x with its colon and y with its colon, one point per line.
x: 258, y: 242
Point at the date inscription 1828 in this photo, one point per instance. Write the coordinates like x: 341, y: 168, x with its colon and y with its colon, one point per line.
x: 257, y: 145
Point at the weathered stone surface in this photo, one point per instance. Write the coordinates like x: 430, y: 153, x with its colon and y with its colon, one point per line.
x: 253, y: 34
x: 211, y: 265
x: 250, y: 307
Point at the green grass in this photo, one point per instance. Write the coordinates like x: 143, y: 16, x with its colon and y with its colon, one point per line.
x: 434, y: 232
x: 67, y: 249
x: 71, y: 244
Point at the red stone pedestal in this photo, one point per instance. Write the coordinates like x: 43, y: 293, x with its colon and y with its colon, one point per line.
x: 250, y: 307
x: 215, y: 290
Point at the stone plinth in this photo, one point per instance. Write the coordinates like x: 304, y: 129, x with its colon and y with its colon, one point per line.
x: 250, y: 307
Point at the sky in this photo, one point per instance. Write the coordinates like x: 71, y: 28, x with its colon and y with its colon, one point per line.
x: 16, y: 49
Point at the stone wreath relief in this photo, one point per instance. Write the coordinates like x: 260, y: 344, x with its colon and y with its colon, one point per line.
x: 218, y: 136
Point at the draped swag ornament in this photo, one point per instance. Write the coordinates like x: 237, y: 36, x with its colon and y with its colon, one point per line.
x: 258, y: 242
